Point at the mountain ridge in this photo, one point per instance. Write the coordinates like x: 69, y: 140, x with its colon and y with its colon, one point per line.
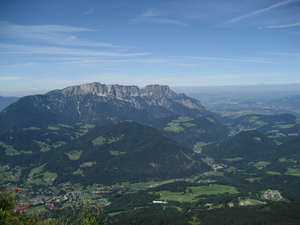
x: 98, y: 104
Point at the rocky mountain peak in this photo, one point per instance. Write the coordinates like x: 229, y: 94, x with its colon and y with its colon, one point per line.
x: 149, y: 96
x: 119, y: 91
x: 157, y: 90
x: 101, y: 104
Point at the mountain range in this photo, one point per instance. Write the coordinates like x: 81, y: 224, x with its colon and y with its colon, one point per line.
x: 105, y: 142
x: 54, y: 132
x: 98, y: 104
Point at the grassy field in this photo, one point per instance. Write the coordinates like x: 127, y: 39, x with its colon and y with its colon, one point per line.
x: 52, y: 127
x: 84, y: 128
x: 37, y: 181
x: 9, y: 150
x: 245, y: 202
x: 192, y: 192
x: 198, y: 146
x: 261, y: 163
x: 44, y: 147
x: 284, y: 126
x: 174, y: 127
x: 48, y: 175
x: 149, y: 184
x: 230, y: 169
x: 272, y: 131
x: 87, y: 164
x: 261, y: 123
x: 74, y: 155
x: 36, y: 170
x: 293, y: 171
x: 234, y: 159
x: 58, y: 143
x: 144, y: 185
x: 32, y: 128
x: 276, y: 135
x: 116, y: 153
x: 272, y: 173
x: 64, y: 125
x: 208, y: 160
x: 283, y: 159
x: 78, y: 172
x: 216, y: 173
x: 175, y: 196
x: 182, y: 119
x: 253, y: 119
x: 211, y: 120
x: 5, y: 176
x: 102, y: 140
x: 189, y: 124
x: 99, y: 140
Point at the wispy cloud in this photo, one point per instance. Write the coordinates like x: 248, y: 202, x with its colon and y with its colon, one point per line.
x: 240, y: 59
x: 155, y: 16
x: 261, y: 11
x: 89, y: 11
x: 50, y: 34
x: 183, y: 64
x: 285, y: 25
x: 9, y: 78
x: 24, y: 49
x: 281, y: 53
x: 21, y: 65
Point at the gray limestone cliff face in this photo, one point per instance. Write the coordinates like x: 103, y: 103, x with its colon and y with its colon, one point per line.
x: 101, y: 104
x: 160, y: 95
x: 158, y: 100
x: 98, y: 89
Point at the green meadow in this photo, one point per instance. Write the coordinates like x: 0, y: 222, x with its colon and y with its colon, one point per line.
x: 261, y: 163
x: 293, y: 171
x: 192, y: 193
x: 74, y: 155
x: 9, y: 150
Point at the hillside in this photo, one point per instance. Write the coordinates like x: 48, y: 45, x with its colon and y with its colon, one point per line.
x: 292, y: 102
x: 192, y: 132
x: 289, y: 150
x: 280, y: 128
x: 20, y: 148
x: 247, y: 145
x: 124, y: 152
x: 99, y: 104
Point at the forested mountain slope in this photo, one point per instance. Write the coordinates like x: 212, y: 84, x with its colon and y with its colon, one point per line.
x: 124, y: 152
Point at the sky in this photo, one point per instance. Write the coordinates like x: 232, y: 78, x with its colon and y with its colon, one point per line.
x: 52, y: 44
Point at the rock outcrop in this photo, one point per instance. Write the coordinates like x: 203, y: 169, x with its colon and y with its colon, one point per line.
x: 98, y: 103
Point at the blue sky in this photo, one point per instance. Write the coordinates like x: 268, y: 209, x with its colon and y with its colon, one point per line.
x: 51, y: 44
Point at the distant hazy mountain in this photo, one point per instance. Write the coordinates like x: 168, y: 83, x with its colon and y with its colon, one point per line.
x: 292, y: 102
x: 98, y: 104
x: 6, y: 101
x: 126, y: 151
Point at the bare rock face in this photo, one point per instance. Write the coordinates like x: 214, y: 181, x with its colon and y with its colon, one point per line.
x: 98, y: 103
x: 152, y: 94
